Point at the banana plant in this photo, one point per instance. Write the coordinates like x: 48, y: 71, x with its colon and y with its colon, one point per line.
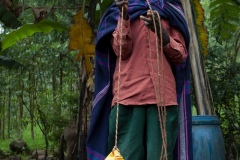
x: 26, y: 30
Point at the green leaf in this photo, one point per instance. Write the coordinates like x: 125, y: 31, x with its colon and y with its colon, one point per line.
x: 28, y: 30
x: 215, y: 3
x: 224, y: 18
x: 9, y: 63
x: 8, y: 18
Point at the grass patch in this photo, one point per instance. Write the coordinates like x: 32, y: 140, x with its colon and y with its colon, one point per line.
x: 5, y: 144
x: 36, y: 143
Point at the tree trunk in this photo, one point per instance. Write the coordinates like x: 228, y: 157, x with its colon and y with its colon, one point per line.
x: 91, y: 13
x: 236, y: 48
x: 201, y: 85
x: 31, y: 107
x: 60, y: 79
x: 20, y: 87
x: 3, y: 117
x: 42, y: 123
x: 82, y: 132
x: 54, y: 85
x: 1, y: 113
x: 9, y: 112
x: 3, y: 127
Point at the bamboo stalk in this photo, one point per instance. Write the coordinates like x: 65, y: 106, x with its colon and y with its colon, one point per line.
x: 203, y: 96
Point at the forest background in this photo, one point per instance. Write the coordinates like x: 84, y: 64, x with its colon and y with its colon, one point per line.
x: 46, y: 74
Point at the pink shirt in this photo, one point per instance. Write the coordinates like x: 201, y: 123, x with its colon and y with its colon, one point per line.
x: 136, y: 81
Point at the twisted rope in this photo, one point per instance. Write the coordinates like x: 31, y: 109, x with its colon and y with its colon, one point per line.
x: 119, y: 76
x: 160, y: 102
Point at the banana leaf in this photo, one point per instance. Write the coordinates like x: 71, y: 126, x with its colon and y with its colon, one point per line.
x: 44, y: 26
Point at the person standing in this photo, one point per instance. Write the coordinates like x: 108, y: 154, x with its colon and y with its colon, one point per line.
x: 139, y: 134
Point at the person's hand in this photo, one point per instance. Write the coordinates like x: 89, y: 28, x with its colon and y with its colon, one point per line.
x: 148, y: 21
x: 122, y: 4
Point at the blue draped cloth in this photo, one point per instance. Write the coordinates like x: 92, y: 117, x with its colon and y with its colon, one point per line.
x: 105, y: 61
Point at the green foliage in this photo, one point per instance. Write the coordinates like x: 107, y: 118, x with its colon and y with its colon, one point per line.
x: 58, y: 123
x: 28, y: 30
x: 222, y: 20
x: 225, y: 85
x: 224, y: 17
x: 38, y: 142
x: 40, y: 54
x: 8, y: 19
x: 224, y: 79
x: 9, y: 63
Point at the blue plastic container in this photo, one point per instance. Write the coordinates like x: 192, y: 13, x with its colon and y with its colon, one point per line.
x: 207, y: 138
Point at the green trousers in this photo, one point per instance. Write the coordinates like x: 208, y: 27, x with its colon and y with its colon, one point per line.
x: 139, y: 134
